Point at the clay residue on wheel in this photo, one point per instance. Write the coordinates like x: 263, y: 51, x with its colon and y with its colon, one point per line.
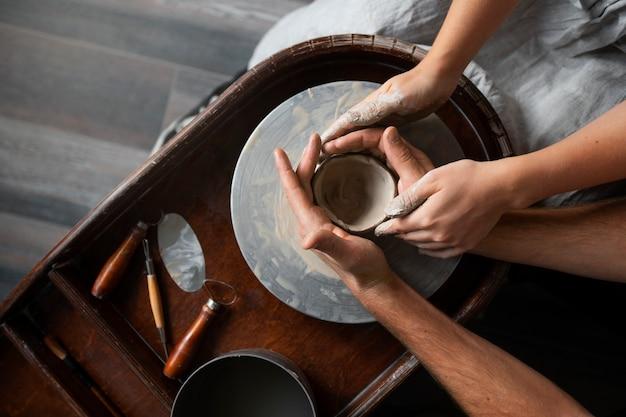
x: 287, y: 231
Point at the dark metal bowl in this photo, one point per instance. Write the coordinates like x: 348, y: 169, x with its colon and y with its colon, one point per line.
x: 246, y: 383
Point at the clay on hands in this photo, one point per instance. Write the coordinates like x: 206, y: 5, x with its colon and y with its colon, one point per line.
x: 366, y: 113
x: 408, y: 96
x: 459, y: 203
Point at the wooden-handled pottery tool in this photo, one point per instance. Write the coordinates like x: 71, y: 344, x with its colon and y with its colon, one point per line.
x: 155, y: 296
x: 183, y: 259
x: 184, y: 351
x: 59, y: 351
x: 114, y: 268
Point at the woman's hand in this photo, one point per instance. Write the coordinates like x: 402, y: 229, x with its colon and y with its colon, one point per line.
x: 407, y: 96
x: 451, y: 208
x: 358, y: 262
x: 446, y: 210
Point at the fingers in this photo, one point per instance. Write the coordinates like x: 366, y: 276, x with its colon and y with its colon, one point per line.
x: 400, y: 157
x: 296, y: 194
x: 306, y: 167
x: 422, y: 239
x: 411, y: 198
x: 366, y: 113
x: 405, y: 229
x: 392, y: 227
x: 423, y: 160
x: 365, y: 139
x: 339, y: 249
x: 416, y: 236
x: 339, y: 127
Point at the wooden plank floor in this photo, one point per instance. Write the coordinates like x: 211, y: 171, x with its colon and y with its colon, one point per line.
x: 87, y: 85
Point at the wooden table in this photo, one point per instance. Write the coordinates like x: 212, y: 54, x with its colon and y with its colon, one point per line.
x: 350, y: 367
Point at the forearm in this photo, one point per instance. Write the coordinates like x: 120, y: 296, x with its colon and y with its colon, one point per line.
x: 587, y: 240
x: 482, y: 378
x: 595, y: 154
x: 468, y: 25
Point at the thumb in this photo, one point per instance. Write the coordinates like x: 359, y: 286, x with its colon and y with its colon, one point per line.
x: 368, y: 112
x: 411, y: 198
x: 339, y: 249
x: 400, y: 157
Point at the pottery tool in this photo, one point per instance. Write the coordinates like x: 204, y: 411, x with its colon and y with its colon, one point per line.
x: 265, y: 227
x: 181, y: 252
x: 114, y: 268
x: 183, y: 353
x: 183, y: 259
x: 60, y: 352
x: 155, y: 296
x: 185, y: 350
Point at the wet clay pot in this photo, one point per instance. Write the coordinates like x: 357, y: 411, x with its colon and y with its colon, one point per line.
x: 354, y: 189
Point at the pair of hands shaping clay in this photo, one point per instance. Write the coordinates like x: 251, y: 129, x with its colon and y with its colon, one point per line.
x: 354, y: 189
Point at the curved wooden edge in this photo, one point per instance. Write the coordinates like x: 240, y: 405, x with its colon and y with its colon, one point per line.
x: 381, y: 387
x: 404, y: 50
x: 190, y: 139
x: 488, y: 288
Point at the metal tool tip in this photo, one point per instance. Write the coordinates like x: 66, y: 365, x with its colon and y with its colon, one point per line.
x: 163, y: 341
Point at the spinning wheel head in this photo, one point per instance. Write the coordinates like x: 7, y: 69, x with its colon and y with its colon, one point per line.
x: 265, y: 227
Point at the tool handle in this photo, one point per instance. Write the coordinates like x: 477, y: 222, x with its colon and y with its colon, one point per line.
x: 155, y: 301
x: 55, y: 347
x: 106, y: 402
x: 115, y: 266
x: 59, y: 351
x: 182, y: 355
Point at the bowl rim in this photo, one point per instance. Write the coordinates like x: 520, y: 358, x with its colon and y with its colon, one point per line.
x: 369, y: 156
x: 266, y: 355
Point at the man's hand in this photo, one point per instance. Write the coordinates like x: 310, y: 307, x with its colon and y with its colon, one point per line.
x: 358, y: 262
x: 407, y: 96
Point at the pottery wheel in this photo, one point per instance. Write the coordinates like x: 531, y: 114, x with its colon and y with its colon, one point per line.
x: 265, y: 227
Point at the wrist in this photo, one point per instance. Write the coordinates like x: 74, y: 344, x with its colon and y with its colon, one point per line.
x: 439, y: 67
x: 387, y: 295
x: 517, y: 187
x: 430, y: 86
x: 363, y: 286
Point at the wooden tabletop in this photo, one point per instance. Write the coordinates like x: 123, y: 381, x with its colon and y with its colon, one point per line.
x: 350, y: 367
